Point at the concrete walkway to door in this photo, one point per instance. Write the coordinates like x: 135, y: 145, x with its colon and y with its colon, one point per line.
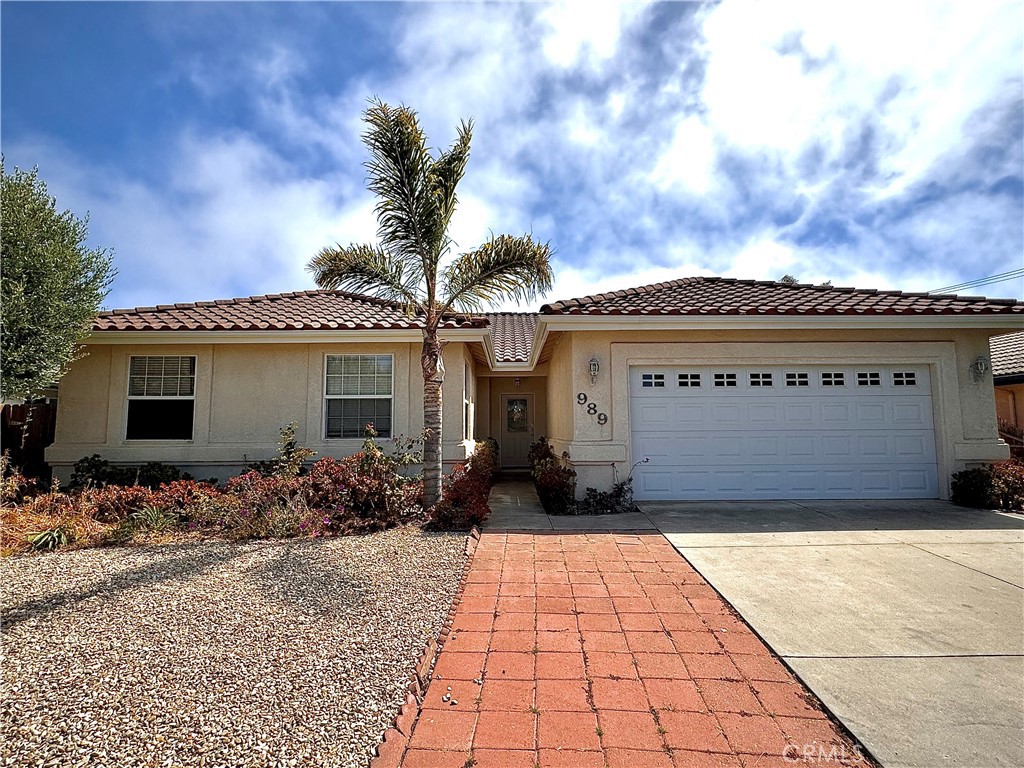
x: 605, y: 649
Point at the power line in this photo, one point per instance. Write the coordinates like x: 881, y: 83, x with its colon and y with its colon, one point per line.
x: 1002, y: 277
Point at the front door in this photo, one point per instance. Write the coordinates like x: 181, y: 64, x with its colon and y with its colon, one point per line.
x: 516, y: 429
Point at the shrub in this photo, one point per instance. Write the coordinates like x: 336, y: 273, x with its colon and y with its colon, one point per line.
x: 326, y: 487
x: 618, y: 499
x: 113, y: 503
x: 48, y: 521
x: 290, y: 457
x: 185, y: 498
x: 379, y: 495
x: 96, y: 472
x: 14, y: 486
x: 554, y: 479
x: 995, y: 486
x: 464, y: 493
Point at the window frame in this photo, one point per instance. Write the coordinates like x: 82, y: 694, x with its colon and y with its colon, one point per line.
x: 869, y: 378
x: 326, y: 397
x: 656, y: 380
x: 835, y: 378
x: 904, y: 378
x: 689, y: 380
x: 724, y: 380
x: 798, y: 379
x: 129, y: 398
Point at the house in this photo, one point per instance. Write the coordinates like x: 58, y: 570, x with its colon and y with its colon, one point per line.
x: 704, y: 388
x: 1008, y: 376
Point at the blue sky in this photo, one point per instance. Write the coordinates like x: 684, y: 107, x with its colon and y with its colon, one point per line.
x: 216, y: 146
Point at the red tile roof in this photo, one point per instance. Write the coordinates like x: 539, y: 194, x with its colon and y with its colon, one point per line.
x: 727, y: 296
x: 1007, y: 354
x: 301, y: 310
x: 512, y: 335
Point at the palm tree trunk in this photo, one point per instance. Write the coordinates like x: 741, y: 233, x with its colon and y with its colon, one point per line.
x: 433, y: 377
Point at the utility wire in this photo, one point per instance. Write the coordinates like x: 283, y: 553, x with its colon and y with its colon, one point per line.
x: 1002, y: 277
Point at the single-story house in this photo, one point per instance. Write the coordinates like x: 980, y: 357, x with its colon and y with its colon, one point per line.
x: 1008, y: 377
x: 703, y: 387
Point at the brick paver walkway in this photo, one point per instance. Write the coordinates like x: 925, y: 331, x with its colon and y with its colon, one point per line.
x: 604, y: 649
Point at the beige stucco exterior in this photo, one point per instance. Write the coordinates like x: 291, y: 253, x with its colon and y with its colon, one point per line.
x: 964, y: 409
x: 245, y: 393
x: 248, y: 387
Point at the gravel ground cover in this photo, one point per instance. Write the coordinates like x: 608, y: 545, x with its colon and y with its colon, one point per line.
x: 273, y: 653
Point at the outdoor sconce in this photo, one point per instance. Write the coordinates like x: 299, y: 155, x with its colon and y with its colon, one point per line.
x: 594, y: 368
x: 978, y: 368
x: 517, y: 381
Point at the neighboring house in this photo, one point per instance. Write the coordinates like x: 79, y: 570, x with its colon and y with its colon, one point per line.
x: 730, y: 389
x: 1008, y: 377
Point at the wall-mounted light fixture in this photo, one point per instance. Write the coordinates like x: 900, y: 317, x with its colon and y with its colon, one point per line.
x: 517, y: 381
x: 979, y: 368
x: 594, y: 368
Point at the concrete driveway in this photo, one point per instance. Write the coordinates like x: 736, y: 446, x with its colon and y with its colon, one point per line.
x: 906, y: 618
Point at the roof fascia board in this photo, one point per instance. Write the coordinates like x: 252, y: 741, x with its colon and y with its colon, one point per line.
x: 761, y: 322
x: 410, y: 335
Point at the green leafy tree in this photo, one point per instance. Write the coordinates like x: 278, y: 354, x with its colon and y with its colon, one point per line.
x: 51, y: 285
x: 416, y: 198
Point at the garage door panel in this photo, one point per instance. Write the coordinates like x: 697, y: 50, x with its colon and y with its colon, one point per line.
x: 818, y: 441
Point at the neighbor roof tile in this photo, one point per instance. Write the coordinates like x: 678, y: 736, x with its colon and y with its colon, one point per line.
x: 1007, y: 354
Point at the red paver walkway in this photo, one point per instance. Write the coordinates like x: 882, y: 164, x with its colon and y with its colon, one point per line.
x: 608, y: 649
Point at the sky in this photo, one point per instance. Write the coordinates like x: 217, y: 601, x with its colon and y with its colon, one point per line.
x: 216, y: 146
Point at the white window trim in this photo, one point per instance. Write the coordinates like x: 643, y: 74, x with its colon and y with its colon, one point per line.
x: 129, y: 397
x: 326, y: 397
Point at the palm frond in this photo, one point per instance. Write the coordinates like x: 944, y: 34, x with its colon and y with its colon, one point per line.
x: 444, y: 176
x: 366, y: 269
x: 398, y: 174
x: 505, y: 267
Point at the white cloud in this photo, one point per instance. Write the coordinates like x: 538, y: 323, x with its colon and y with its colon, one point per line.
x: 712, y: 149
x: 689, y: 161
x: 585, y: 31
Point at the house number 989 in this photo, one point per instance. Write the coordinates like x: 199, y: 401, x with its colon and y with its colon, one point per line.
x: 582, y: 399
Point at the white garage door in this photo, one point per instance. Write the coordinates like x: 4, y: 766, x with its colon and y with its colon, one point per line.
x: 772, y: 432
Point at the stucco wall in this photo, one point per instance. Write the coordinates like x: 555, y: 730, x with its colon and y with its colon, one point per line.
x: 244, y: 394
x: 964, y: 409
x: 560, y: 394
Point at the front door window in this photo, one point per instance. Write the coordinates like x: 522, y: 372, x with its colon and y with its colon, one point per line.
x: 516, y: 415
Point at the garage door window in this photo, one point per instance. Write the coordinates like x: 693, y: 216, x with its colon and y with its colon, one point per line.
x: 760, y: 379
x: 652, y: 380
x: 904, y: 379
x: 689, y: 379
x: 869, y: 379
x: 797, y: 379
x: 833, y: 379
x: 725, y: 379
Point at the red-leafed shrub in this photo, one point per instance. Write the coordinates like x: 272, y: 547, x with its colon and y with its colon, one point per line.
x: 464, y: 493
x: 995, y: 486
x: 182, y: 496
x: 113, y: 503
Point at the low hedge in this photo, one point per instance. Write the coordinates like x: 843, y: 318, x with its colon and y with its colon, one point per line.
x: 994, y: 486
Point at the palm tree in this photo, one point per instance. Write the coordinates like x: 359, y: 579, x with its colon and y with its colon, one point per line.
x: 416, y: 200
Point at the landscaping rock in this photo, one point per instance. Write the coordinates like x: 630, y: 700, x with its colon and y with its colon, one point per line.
x: 268, y: 653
